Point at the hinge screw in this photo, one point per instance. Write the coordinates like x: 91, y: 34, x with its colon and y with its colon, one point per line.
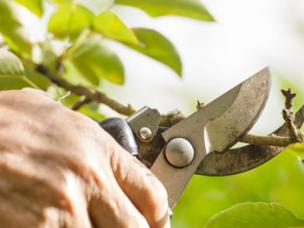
x: 145, y: 133
x: 179, y: 152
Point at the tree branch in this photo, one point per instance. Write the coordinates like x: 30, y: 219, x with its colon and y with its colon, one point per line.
x: 170, y: 119
x: 292, y: 125
x: 89, y: 93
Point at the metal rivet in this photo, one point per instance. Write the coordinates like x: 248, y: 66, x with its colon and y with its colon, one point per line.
x: 179, y: 152
x: 145, y: 133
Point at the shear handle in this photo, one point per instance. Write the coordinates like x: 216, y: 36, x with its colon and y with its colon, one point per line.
x: 120, y: 130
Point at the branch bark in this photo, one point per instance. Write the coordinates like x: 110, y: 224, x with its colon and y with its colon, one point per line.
x: 271, y: 140
x: 89, y: 93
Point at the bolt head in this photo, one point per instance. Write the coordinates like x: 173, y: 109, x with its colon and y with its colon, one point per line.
x: 145, y: 133
x: 179, y: 152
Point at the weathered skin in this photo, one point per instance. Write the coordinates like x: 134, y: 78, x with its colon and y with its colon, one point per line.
x: 60, y: 169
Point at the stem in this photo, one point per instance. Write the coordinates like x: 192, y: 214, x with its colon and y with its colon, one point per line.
x: 90, y: 93
x: 80, y: 103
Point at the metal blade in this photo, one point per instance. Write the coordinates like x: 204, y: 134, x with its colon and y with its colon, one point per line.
x: 224, y: 131
x: 245, y: 158
x: 217, y: 126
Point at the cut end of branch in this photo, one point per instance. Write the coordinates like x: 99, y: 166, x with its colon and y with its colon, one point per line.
x: 289, y: 118
x: 289, y: 96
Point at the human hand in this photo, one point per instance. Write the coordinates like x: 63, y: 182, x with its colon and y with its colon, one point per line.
x: 58, y: 168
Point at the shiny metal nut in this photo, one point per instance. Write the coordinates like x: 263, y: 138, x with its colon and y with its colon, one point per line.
x: 179, y: 152
x: 145, y: 133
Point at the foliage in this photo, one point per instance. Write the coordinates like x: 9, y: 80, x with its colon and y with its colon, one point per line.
x: 83, y: 34
x: 251, y: 215
x: 75, y: 48
x: 279, y: 180
x: 74, y: 58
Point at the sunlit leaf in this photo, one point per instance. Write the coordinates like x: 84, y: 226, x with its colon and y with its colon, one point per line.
x: 10, y: 64
x: 73, y: 76
x: 155, y: 45
x: 97, y: 62
x: 34, y: 6
x: 186, y: 8
x: 48, y: 52
x: 110, y: 25
x: 253, y: 215
x: 96, y: 6
x: 69, y: 20
x: 11, y: 28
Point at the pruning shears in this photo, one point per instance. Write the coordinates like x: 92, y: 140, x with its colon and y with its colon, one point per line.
x: 199, y: 144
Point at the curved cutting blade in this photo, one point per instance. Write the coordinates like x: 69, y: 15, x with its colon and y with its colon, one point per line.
x: 225, y: 130
x: 215, y: 127
x: 245, y: 158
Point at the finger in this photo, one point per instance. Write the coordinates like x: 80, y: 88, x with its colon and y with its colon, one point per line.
x: 44, y: 195
x: 110, y: 207
x: 142, y: 187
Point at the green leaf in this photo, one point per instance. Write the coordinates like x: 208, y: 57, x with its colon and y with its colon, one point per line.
x: 94, y: 114
x: 38, y: 79
x: 10, y: 64
x: 155, y: 45
x: 253, y: 215
x: 73, y: 76
x: 69, y: 20
x: 11, y: 28
x: 186, y: 8
x: 34, y: 6
x: 297, y: 149
x: 110, y: 25
x: 96, y: 62
x: 12, y: 83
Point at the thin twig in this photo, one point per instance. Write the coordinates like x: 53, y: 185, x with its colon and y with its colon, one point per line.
x: 90, y: 93
x: 288, y: 116
x: 80, y: 103
x: 272, y: 140
x: 199, y: 105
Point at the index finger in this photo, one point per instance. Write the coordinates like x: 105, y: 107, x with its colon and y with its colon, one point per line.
x: 143, y: 188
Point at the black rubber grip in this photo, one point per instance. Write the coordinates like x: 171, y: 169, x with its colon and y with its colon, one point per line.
x: 122, y: 133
